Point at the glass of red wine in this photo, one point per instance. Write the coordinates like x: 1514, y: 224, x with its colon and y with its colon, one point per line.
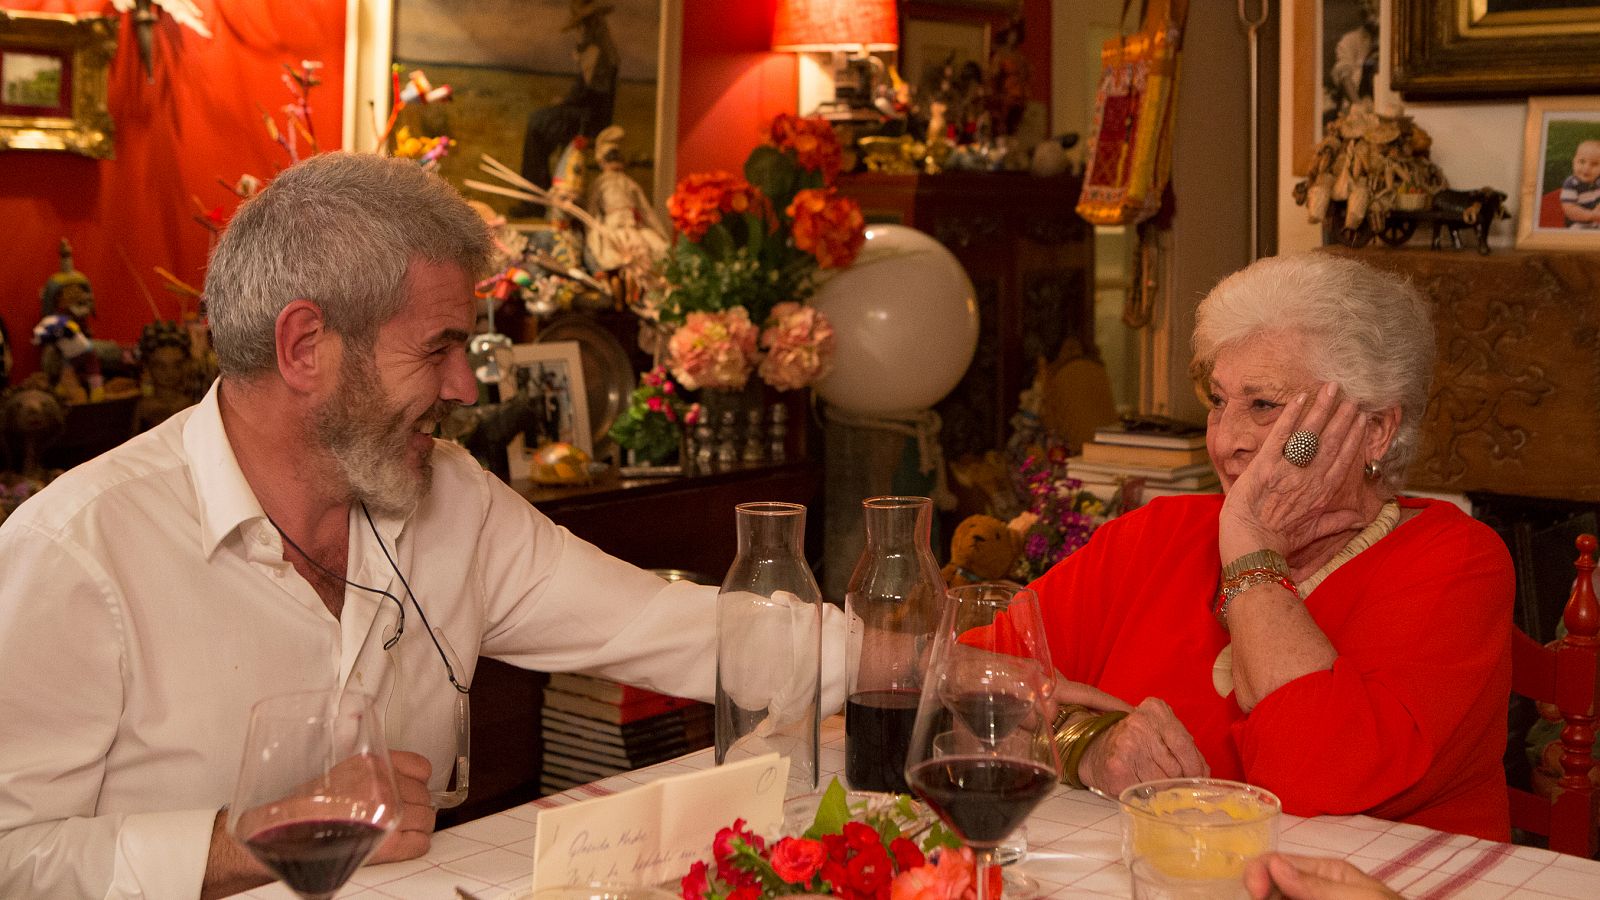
x: 316, y: 793
x: 981, y: 754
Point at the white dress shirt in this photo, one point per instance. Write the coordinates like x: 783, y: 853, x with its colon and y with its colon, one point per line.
x: 145, y: 605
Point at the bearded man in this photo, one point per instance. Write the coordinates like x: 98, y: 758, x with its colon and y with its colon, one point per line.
x: 298, y: 529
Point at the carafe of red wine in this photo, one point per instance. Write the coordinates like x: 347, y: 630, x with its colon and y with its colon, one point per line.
x: 892, y: 604
x: 769, y: 645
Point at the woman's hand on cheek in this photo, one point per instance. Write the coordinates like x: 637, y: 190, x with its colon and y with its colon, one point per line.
x: 1277, y: 505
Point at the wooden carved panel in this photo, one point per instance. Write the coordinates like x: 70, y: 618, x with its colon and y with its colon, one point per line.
x: 1515, y: 402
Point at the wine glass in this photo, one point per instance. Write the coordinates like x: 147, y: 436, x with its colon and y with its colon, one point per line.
x: 316, y: 793
x: 981, y: 754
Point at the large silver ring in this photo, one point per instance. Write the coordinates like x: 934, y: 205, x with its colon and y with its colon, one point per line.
x: 1301, y: 448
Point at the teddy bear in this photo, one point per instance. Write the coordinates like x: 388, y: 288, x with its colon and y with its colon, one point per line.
x: 983, y: 549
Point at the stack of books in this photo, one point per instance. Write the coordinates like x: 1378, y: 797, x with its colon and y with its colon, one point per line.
x: 594, y: 728
x: 1141, y: 463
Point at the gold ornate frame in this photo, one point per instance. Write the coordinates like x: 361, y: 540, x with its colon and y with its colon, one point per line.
x: 86, y: 45
x: 1446, y: 49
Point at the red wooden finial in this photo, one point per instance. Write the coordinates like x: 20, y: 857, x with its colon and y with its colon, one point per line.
x: 1582, y: 615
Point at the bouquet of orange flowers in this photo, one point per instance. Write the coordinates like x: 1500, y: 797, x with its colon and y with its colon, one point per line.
x: 745, y: 258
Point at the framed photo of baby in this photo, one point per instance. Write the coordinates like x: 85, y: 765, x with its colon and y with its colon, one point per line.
x: 1560, y: 206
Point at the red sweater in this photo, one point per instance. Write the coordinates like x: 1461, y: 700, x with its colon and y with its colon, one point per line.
x: 1408, y: 725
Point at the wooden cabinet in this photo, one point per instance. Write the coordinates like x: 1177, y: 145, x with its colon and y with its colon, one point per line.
x: 680, y: 523
x: 1031, y: 261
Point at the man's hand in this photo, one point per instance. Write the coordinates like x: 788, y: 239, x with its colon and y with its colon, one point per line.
x: 414, y: 833
x: 1150, y: 743
x: 1310, y: 878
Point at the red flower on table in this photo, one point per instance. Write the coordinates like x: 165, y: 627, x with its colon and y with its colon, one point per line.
x: 696, y: 882
x: 907, y: 855
x: 795, y: 860
x: 871, y: 870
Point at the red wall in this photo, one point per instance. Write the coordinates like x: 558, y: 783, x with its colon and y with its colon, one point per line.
x: 731, y: 83
x: 198, y: 121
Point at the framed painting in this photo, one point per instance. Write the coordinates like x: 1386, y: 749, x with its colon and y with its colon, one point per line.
x: 550, y: 375
x: 1451, y: 49
x: 53, y: 75
x: 927, y: 46
x: 525, y: 77
x: 1560, y: 208
x: 1333, y: 52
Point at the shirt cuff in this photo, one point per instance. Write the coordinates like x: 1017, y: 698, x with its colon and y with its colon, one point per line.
x: 162, y: 854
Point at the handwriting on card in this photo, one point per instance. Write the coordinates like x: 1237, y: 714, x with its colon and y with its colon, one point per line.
x: 653, y: 833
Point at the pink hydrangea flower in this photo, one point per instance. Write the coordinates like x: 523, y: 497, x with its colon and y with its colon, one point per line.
x: 714, y: 350
x: 799, y: 343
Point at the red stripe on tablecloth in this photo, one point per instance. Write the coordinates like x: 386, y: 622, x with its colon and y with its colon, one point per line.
x: 1392, y: 867
x: 1488, y: 858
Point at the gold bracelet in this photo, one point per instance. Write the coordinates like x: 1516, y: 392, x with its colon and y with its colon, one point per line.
x: 1065, y: 712
x: 1068, y: 736
x: 1074, y: 740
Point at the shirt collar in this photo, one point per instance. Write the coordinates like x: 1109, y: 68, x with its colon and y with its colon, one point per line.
x: 223, y: 497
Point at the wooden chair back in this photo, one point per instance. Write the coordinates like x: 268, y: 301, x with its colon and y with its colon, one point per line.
x: 1567, y: 675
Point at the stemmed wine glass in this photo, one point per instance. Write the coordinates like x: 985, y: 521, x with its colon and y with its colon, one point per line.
x: 316, y: 793
x: 981, y: 754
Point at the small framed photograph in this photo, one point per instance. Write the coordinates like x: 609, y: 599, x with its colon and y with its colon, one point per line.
x: 1560, y: 208
x: 928, y: 46
x: 54, y: 71
x: 550, y: 375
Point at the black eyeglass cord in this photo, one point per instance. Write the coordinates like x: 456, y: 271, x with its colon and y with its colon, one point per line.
x: 400, y: 628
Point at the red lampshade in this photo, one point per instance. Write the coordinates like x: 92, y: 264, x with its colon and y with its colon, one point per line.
x: 813, y: 25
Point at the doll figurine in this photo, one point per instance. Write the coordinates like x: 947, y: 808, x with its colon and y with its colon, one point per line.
x: 630, y: 235
x: 164, y: 349
x: 67, y: 304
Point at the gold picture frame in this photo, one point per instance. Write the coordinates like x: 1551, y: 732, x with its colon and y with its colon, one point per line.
x: 54, y: 71
x: 1557, y: 127
x: 1451, y: 49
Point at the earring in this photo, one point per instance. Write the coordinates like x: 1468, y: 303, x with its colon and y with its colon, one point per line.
x: 1371, y: 469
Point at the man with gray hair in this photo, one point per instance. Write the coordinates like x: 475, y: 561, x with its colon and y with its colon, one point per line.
x: 298, y: 529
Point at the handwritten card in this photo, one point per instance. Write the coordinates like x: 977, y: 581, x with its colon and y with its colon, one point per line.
x: 654, y: 832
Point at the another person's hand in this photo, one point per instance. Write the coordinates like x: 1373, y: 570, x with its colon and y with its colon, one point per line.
x: 1310, y: 878
x: 414, y: 833
x: 1150, y: 743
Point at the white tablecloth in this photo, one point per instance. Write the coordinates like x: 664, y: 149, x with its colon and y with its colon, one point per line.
x: 1074, y: 850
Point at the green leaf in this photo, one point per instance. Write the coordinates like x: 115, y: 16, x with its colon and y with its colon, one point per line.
x: 773, y: 173
x: 832, y: 812
x: 940, y: 836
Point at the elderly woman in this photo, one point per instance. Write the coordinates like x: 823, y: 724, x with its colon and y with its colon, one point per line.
x: 1308, y: 630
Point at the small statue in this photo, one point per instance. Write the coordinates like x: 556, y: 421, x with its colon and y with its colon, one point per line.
x: 67, y: 304
x: 166, y: 351
x: 30, y: 420
x: 630, y: 235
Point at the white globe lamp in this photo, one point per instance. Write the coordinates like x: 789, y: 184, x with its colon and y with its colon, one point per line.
x: 905, y: 323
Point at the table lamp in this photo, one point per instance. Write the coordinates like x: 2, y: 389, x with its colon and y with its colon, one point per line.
x: 835, y: 40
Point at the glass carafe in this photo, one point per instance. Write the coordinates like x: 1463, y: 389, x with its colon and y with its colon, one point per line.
x: 769, y: 645
x: 892, y: 604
